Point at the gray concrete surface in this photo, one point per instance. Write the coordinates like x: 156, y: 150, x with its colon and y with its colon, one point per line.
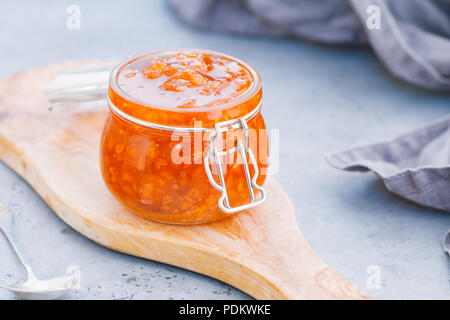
x: 322, y: 99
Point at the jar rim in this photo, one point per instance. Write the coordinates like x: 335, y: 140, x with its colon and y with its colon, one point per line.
x: 248, y: 94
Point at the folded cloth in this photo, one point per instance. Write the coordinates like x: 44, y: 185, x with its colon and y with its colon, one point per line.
x: 415, y: 166
x: 412, y: 41
x: 446, y: 243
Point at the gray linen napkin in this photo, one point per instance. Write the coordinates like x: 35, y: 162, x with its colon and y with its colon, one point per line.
x: 413, y: 41
x: 415, y: 166
x: 446, y: 242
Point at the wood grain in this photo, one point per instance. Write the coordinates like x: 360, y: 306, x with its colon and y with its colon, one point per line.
x: 261, y: 251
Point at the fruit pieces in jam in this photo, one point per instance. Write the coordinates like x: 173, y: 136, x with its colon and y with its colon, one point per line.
x: 185, y: 80
x: 138, y: 164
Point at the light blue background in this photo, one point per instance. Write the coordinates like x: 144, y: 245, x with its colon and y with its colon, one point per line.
x: 323, y: 99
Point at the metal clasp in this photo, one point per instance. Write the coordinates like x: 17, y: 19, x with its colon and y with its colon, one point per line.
x: 242, y: 148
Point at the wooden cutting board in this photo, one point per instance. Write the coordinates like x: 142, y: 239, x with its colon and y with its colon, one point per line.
x: 261, y: 251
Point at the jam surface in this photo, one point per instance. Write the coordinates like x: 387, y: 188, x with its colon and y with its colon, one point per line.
x: 159, y: 174
x: 185, y: 79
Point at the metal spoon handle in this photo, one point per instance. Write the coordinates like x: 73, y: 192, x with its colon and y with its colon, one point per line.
x: 6, y: 222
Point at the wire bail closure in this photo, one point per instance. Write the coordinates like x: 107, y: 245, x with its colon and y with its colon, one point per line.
x: 242, y: 148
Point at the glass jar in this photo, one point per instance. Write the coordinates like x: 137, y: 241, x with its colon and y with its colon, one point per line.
x: 184, y: 164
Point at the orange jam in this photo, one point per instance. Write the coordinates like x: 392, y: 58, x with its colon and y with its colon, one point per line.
x: 185, y: 80
x: 153, y: 161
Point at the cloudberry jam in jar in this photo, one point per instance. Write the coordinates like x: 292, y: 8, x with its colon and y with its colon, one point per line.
x: 185, y: 142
